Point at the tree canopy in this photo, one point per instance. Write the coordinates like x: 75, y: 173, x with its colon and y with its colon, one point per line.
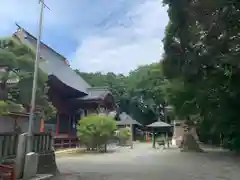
x: 140, y: 94
x: 18, y: 61
x: 201, y: 55
x: 198, y: 74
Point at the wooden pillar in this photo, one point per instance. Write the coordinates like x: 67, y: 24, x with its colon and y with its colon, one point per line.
x: 57, y: 124
x: 154, y: 139
x: 41, y: 125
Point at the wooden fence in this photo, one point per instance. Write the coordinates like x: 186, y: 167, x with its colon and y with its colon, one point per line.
x: 42, y: 142
x: 8, y: 145
x: 65, y: 142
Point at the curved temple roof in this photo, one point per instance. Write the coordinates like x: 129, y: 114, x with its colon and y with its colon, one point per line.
x: 159, y: 124
x: 54, y: 63
x: 125, y: 119
x: 96, y: 93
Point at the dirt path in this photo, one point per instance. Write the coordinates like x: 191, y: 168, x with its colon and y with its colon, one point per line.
x: 143, y: 163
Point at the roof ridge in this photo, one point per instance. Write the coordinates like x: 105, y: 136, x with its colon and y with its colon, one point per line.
x: 99, y: 88
x: 85, y: 85
x: 29, y: 34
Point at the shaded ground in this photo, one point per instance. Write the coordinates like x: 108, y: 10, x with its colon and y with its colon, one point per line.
x: 145, y: 163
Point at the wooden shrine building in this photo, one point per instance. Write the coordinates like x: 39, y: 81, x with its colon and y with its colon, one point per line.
x: 72, y: 96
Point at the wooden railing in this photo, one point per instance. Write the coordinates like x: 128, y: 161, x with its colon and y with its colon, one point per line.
x: 42, y: 142
x: 65, y: 142
x: 8, y: 145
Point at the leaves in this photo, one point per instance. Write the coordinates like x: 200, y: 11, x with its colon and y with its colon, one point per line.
x: 95, y: 130
x: 140, y: 94
x: 19, y: 60
x: 201, y: 53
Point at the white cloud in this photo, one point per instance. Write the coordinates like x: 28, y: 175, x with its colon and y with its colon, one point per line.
x: 122, y: 48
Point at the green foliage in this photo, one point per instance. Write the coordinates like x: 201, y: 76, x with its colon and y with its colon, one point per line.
x: 124, y: 134
x: 140, y: 94
x: 202, y: 53
x: 8, y: 106
x: 3, y: 107
x: 19, y: 58
x: 95, y: 130
x: 147, y: 86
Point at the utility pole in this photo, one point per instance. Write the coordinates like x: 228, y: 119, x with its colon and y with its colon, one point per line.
x: 35, y: 77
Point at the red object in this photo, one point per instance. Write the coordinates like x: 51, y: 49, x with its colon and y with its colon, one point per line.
x: 42, y: 125
x: 6, y: 172
x: 147, y: 137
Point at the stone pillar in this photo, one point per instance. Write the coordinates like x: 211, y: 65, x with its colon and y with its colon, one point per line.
x: 30, y: 166
x: 47, y: 163
x: 20, y: 156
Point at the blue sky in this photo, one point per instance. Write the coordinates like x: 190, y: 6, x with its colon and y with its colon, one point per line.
x: 95, y: 35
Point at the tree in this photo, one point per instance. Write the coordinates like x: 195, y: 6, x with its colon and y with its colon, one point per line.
x: 201, y: 50
x: 124, y: 135
x: 94, y: 131
x: 140, y: 94
x: 147, y: 85
x: 19, y: 58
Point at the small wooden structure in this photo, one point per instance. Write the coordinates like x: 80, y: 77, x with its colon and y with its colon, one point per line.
x: 126, y: 120
x: 159, y: 126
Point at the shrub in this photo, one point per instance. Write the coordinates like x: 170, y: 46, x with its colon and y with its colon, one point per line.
x: 124, y: 134
x: 95, y: 130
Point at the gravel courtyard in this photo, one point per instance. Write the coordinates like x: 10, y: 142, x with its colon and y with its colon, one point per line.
x: 145, y: 163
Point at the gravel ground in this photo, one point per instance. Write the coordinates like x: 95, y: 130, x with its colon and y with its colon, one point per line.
x: 145, y: 163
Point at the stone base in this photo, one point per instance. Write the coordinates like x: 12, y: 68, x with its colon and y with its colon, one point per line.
x: 42, y: 177
x: 47, y: 163
x: 189, y: 144
x: 30, y: 166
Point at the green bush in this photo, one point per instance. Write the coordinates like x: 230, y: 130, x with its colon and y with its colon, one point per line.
x: 95, y: 130
x: 124, y: 135
x: 6, y: 107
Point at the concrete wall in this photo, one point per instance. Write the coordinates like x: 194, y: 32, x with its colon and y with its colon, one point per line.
x: 7, y: 124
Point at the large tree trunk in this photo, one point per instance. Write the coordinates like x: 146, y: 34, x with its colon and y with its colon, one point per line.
x: 189, y: 144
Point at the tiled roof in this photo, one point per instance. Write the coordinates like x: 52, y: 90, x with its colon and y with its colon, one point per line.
x: 54, y: 63
x: 159, y: 124
x: 125, y: 119
x: 96, y: 93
